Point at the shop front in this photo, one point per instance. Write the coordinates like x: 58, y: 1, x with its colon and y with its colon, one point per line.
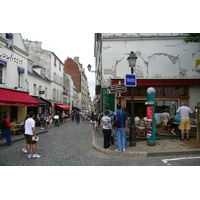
x: 14, y: 104
x: 59, y: 108
x: 44, y: 106
x: 169, y: 94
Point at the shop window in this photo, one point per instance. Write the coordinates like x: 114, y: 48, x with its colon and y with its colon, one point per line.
x: 54, y: 61
x: 160, y: 106
x: 1, y: 74
x: 19, y: 79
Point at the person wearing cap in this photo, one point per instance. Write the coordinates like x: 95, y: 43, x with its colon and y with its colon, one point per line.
x: 5, y: 132
x: 185, y: 112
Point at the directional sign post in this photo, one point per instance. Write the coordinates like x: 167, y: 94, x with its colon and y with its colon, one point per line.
x: 116, y: 89
x: 130, y: 80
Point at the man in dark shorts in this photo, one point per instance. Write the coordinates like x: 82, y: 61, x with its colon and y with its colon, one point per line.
x: 30, y: 133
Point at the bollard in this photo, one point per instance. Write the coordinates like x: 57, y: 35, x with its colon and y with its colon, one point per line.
x: 151, y: 121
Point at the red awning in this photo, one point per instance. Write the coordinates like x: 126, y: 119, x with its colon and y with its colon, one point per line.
x: 63, y: 106
x: 16, y: 98
x: 161, y: 82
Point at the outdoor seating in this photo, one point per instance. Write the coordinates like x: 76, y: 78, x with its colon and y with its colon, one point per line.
x: 163, y: 125
x: 14, y: 129
x: 141, y: 127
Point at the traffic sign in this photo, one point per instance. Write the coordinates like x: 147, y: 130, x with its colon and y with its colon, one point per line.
x: 116, y: 89
x: 130, y: 80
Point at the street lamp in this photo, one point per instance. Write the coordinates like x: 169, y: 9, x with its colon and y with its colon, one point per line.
x: 132, y: 138
x: 89, y: 68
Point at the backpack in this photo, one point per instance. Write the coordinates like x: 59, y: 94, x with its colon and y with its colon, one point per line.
x: 3, y: 124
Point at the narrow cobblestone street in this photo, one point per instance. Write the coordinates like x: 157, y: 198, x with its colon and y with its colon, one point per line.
x: 71, y: 145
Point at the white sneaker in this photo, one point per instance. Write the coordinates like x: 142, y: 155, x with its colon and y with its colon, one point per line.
x: 29, y: 155
x: 24, y: 150
x: 36, y: 156
x: 124, y: 149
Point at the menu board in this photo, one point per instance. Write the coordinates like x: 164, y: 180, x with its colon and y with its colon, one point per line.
x: 107, y: 100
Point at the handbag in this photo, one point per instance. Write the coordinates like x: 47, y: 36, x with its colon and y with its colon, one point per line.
x: 177, y: 117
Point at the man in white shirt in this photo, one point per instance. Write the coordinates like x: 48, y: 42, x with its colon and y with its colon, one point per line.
x: 185, y: 120
x: 30, y: 133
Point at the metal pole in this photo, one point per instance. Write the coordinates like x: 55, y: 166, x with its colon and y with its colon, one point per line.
x: 132, y: 127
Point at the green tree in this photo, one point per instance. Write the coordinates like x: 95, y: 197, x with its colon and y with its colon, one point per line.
x: 193, y: 37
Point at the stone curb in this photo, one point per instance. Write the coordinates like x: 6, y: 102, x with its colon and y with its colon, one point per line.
x: 189, y: 152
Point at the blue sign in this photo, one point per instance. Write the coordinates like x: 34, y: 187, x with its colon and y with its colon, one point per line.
x: 20, y: 69
x: 130, y: 80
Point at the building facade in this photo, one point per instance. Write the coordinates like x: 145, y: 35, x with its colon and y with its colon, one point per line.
x: 77, y: 72
x: 50, y: 67
x: 14, y: 95
x: 164, y: 61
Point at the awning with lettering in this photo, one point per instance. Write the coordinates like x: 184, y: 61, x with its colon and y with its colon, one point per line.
x: 160, y: 82
x: 3, y: 63
x: 63, y: 106
x: 16, y: 98
x: 42, y: 102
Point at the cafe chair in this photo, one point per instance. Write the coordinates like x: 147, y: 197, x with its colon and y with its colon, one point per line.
x: 14, y: 129
x: 163, y: 125
x: 141, y: 128
x: 136, y: 121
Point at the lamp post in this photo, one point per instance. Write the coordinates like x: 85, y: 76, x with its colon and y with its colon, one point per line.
x: 132, y: 138
x: 89, y: 68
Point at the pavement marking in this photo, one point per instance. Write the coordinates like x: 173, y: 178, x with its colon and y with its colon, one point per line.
x: 166, y: 161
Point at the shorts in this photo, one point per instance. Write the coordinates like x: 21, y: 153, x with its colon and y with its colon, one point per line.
x: 185, y: 124
x: 29, y: 139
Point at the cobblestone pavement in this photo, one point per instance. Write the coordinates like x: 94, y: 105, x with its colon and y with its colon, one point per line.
x: 71, y: 145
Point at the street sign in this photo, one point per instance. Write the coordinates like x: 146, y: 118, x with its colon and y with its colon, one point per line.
x: 41, y: 92
x: 116, y: 89
x: 130, y: 80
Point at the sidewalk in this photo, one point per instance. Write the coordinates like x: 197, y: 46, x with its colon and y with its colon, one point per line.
x: 163, y: 147
x: 21, y: 136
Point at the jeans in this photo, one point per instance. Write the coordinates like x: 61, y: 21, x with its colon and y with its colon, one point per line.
x: 7, y: 134
x: 121, y: 138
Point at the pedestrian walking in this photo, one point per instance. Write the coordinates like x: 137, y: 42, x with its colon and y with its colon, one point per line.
x: 121, y: 128
x: 92, y: 120
x: 25, y: 149
x: 107, y: 128
x: 30, y: 134
x: 63, y: 117
x: 112, y: 118
x: 47, y: 120
x: 42, y: 121
x: 184, y: 125
x: 78, y: 117
x: 5, y: 130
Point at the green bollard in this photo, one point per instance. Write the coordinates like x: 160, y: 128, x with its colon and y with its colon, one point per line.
x: 151, y: 121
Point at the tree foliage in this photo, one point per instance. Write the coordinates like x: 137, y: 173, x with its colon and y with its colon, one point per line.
x: 193, y: 37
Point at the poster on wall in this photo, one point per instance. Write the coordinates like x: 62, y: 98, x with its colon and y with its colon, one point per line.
x: 149, y: 120
x: 107, y: 100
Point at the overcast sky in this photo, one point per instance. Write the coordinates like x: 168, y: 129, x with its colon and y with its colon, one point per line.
x: 72, y: 44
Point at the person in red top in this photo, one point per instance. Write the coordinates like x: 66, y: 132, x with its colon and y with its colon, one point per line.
x: 5, y: 132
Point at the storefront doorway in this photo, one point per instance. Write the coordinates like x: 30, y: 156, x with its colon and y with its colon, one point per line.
x: 139, y: 108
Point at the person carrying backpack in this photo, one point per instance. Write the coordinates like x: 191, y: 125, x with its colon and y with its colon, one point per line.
x: 120, y: 128
x: 5, y: 130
